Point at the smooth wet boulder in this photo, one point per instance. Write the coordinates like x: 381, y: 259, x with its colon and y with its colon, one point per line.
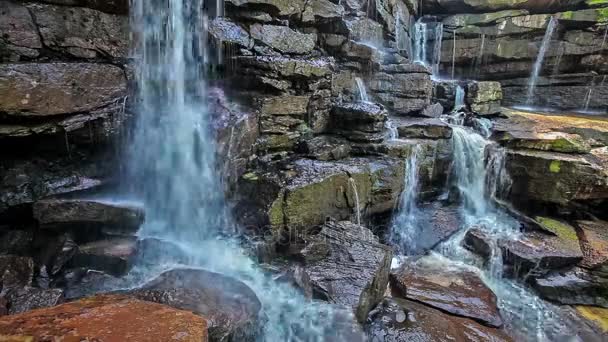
x: 105, y: 318
x: 550, y: 141
x: 351, y: 267
x: 536, y: 254
x: 114, y: 255
x: 231, y: 308
x: 574, y: 287
x: 399, y: 320
x: 478, y: 242
x: 48, y: 89
x: 456, y: 291
x: 117, y: 218
x: 432, y: 111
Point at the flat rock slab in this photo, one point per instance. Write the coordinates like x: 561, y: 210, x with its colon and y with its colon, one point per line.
x: 114, y: 256
x: 535, y: 254
x: 576, y: 286
x: 455, y: 291
x: 351, y: 267
x: 594, y: 243
x: 87, y: 213
x: 231, y: 308
x: 436, y: 223
x: 105, y: 318
x: 401, y: 320
x: 422, y: 128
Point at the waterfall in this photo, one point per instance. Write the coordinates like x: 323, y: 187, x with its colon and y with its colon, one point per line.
x: 392, y: 130
x: 431, y: 58
x: 405, y: 228
x: 353, y: 185
x: 459, y: 99
x: 420, y: 42
x: 454, y: 55
x: 437, y: 49
x: 538, y: 65
x: 171, y: 167
x: 363, y: 97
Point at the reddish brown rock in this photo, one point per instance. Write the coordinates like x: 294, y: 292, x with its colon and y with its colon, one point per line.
x: 105, y: 318
x: 594, y: 243
x: 455, y: 291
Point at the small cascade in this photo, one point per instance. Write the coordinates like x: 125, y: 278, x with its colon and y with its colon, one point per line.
x: 454, y: 55
x: 479, y: 60
x: 540, y: 58
x: 430, y: 58
x: 392, y: 130
x: 588, y: 98
x: 405, y: 228
x: 459, y: 100
x: 363, y: 97
x: 353, y: 185
x: 437, y: 48
x: 420, y: 42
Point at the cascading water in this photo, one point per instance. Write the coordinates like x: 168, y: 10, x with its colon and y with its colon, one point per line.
x: 540, y: 58
x: 421, y: 43
x: 405, y: 227
x: 459, y: 99
x: 437, y: 49
x: 171, y: 165
x: 363, y: 97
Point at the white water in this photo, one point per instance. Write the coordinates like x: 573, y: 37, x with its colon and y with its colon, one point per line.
x: 363, y: 97
x: 420, y: 42
x: 393, y: 133
x: 405, y: 228
x: 540, y: 58
x: 353, y: 185
x: 172, y: 169
x: 459, y: 99
x: 422, y: 55
x: 437, y: 49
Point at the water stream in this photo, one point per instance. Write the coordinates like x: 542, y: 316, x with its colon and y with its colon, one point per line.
x: 422, y: 42
x: 171, y: 167
x: 363, y: 97
x: 540, y: 58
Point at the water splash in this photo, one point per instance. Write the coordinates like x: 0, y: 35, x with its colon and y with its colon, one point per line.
x: 363, y: 97
x: 405, y: 228
x: 540, y: 58
x: 171, y: 167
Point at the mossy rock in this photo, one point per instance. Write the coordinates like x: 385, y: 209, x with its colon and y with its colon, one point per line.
x: 599, y: 316
x: 558, y: 228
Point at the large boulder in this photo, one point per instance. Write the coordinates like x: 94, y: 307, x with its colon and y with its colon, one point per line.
x: 106, y: 318
x: 459, y: 292
x: 594, y: 243
x: 231, y: 308
x: 484, y: 98
x: 359, y: 122
x: 403, y: 320
x: 418, y: 128
x: 350, y: 268
x: 47, y: 89
x: 574, y: 287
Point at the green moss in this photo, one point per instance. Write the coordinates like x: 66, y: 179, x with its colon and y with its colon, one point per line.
x: 555, y: 166
x: 250, y: 176
x: 567, y: 15
x: 275, y: 213
x: 562, y: 230
x: 596, y: 2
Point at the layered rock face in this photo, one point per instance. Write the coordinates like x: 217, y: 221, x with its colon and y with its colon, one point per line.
x: 500, y: 40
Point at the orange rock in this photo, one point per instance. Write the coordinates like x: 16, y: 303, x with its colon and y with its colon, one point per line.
x: 107, y: 318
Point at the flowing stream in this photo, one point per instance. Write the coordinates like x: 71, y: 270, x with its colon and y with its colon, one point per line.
x: 171, y: 167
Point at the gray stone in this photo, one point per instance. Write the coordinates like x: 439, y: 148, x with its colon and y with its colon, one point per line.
x: 284, y: 39
x: 226, y: 31
x: 31, y: 298
x: 114, y: 255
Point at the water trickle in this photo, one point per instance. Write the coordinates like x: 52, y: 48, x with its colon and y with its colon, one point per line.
x: 459, y: 100
x: 422, y: 54
x: 604, y: 39
x: 588, y: 98
x: 353, y: 186
x: 363, y: 97
x: 171, y: 166
x: 454, y: 55
x: 392, y: 130
x: 479, y: 60
x: 437, y: 49
x: 540, y: 58
x: 420, y: 42
x: 405, y: 228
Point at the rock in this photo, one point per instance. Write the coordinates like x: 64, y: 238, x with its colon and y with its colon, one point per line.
x: 15, y: 272
x: 30, y: 298
x: 290, y: 67
x: 82, y: 32
x: 551, y: 141
x: 116, y: 218
x: 230, y: 307
x: 284, y: 39
x: 82, y: 282
x: 574, y: 287
x: 555, y: 178
x: 459, y: 292
x: 478, y: 242
x: 318, y: 11
x: 3, y: 307
x: 536, y: 254
x: 598, y: 316
x: 297, y: 277
x: 359, y: 121
x: 484, y: 98
x: 226, y: 31
x: 432, y: 111
x: 325, y: 148
x: 361, y: 52
x: 108, y: 6
x: 283, y: 105
x: 415, y: 128
x: 594, y: 243
x: 104, y: 318
x: 279, y: 7
x: 17, y: 242
x: 76, y: 87
x: 19, y: 33
x: 356, y: 269
x: 404, y: 93
x: 402, y: 320
x: 114, y: 255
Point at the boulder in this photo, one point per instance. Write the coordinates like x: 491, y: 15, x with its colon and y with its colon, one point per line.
x: 325, y: 148
x: 297, y: 277
x: 284, y: 39
x: 416, y: 128
x: 360, y: 122
x: 226, y: 31
x: 20, y: 36
x: 318, y: 11
x: 484, y: 98
x: 115, y: 218
x: 82, y: 282
x: 405, y: 93
x: 108, y: 6
x: 277, y: 7
x: 574, y: 287
x: 595, y: 315
x: 82, y: 32
x: 354, y: 272
x: 536, y: 254
x: 17, y: 242
x: 106, y: 318
x: 290, y: 68
x: 114, y: 255
x: 231, y: 308
x: 432, y: 111
x: 478, y: 242
x: 594, y: 243
x: 15, y: 272
x: 31, y: 298
x: 551, y: 141
x: 403, y: 320
x: 47, y: 89
x: 458, y: 292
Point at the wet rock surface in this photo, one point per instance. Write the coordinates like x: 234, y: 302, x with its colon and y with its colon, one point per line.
x: 458, y: 292
x: 401, y: 320
x: 114, y: 256
x: 106, y: 318
x: 351, y: 267
x: 230, y: 307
